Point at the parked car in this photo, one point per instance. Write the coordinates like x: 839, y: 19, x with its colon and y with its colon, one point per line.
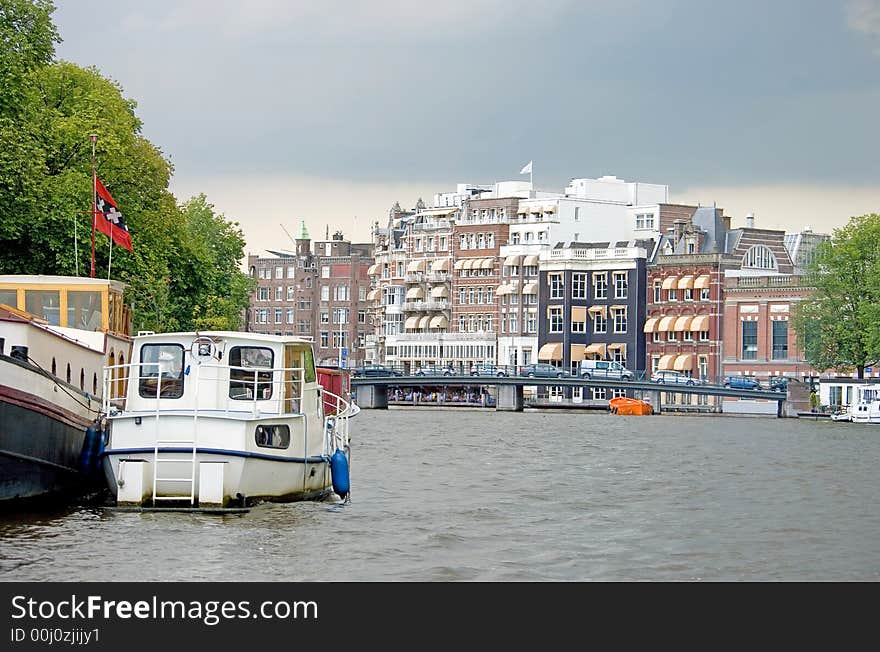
x: 374, y: 370
x: 778, y: 384
x: 434, y: 370
x: 487, y: 370
x: 604, y: 369
x: 543, y: 370
x: 670, y: 377
x: 742, y: 382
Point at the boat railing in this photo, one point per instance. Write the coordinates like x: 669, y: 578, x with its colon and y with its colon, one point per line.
x: 337, y: 412
x: 258, y: 390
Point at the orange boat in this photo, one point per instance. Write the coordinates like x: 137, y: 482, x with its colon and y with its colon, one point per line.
x: 630, y: 406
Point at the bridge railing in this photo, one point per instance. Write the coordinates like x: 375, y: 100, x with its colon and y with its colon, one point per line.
x: 666, y: 378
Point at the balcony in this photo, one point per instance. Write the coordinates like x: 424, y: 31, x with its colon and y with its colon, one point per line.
x: 597, y: 254
x: 421, y: 306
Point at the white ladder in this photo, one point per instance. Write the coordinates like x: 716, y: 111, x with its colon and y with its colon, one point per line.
x: 191, y: 480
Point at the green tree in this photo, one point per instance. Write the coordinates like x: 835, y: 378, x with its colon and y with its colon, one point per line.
x: 839, y: 323
x: 184, y: 270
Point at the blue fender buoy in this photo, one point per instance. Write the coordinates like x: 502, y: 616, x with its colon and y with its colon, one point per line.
x: 88, y: 457
x: 339, y: 473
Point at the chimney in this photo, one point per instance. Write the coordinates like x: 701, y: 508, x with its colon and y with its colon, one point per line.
x: 678, y: 229
x: 750, y: 221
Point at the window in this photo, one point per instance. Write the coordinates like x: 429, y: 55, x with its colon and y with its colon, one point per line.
x: 514, y: 321
x: 325, y: 293
x: 556, y: 286
x: 279, y: 315
x: 362, y: 316
x: 290, y: 290
x: 704, y: 294
x: 688, y: 294
x: 531, y: 322
x: 620, y: 285
x: 555, y: 315
x: 325, y: 271
x: 619, y: 320
x: 279, y: 293
x: 749, y: 340
x: 362, y: 293
x: 644, y: 220
x: 600, y: 285
x: 655, y: 336
x: 578, y: 286
x: 263, y: 294
x: 779, y: 340
x: 672, y: 336
x: 600, y: 323
x: 291, y: 271
x: 325, y: 316
x: 703, y: 366
x: 759, y: 257
x: 305, y: 304
x: 578, y: 326
x: 161, y: 371
x: 272, y: 436
x: 687, y: 336
x: 244, y: 361
x: 83, y: 308
x: 342, y: 293
x: 673, y: 294
x: 262, y: 315
x: 657, y: 287
x: 289, y: 316
x: 514, y: 237
x: 340, y: 315
x: 308, y: 282
x: 577, y: 213
x: 279, y: 272
x: 704, y: 336
x: 462, y: 242
x: 325, y: 339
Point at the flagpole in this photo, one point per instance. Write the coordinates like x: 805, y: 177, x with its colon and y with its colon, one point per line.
x: 75, y: 247
x: 110, y: 261
x: 94, y: 138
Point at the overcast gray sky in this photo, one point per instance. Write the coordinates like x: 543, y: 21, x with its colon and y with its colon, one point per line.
x: 330, y: 111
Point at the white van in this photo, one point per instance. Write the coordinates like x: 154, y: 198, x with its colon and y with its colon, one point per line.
x: 604, y: 369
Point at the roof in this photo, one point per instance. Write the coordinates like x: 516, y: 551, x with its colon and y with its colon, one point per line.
x: 239, y: 335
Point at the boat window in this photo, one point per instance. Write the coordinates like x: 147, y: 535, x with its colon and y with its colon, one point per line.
x: 243, y: 361
x: 272, y: 436
x: 84, y: 310
x: 304, y: 357
x: 45, y: 304
x: 9, y: 298
x: 166, y: 359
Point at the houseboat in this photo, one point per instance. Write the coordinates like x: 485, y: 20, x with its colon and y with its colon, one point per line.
x: 866, y: 408
x: 56, y: 335
x: 222, y: 420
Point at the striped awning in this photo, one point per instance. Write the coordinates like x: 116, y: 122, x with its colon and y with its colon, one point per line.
x: 416, y: 266
x: 374, y: 295
x: 597, y: 348
x: 618, y: 307
x: 439, y: 292
x: 666, y: 361
x: 683, y: 323
x: 439, y: 321
x: 669, y: 282
x: 424, y: 321
x: 512, y: 260
x: 459, y: 264
x: 488, y: 263
x: 702, y: 282
x: 440, y: 265
x: 579, y: 313
x: 530, y: 261
x: 618, y: 346
x: 686, y: 282
x: 700, y: 323
x: 552, y: 351
x: 598, y: 310
x: 522, y: 209
x: 530, y: 288
x: 651, y: 325
x: 415, y: 293
x: 471, y: 263
x: 665, y: 324
x: 549, y: 208
x: 503, y: 289
x: 684, y: 362
x: 374, y: 270
x: 411, y: 323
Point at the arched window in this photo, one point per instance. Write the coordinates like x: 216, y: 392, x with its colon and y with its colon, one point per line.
x: 759, y: 257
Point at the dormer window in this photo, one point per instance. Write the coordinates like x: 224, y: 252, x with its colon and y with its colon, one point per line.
x: 759, y: 257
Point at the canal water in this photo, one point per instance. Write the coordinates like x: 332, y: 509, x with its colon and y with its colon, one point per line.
x: 474, y: 495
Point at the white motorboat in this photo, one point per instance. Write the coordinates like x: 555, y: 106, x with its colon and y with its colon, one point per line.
x: 866, y: 406
x: 56, y: 335
x: 223, y: 419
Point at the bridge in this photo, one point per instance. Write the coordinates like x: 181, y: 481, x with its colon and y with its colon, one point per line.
x: 373, y: 390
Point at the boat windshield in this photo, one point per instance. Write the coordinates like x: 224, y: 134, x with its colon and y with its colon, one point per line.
x: 243, y: 375
x: 165, y: 362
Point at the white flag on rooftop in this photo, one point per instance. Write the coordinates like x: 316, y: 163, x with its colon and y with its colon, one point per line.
x: 527, y: 169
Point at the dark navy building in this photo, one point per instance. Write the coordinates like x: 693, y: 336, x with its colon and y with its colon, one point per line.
x: 592, y: 303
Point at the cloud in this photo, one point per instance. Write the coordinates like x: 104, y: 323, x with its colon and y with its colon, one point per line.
x: 864, y: 16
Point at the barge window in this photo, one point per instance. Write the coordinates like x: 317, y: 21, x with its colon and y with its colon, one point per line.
x: 84, y: 310
x: 243, y: 360
x: 9, y: 298
x: 164, y: 358
x: 272, y: 436
x: 45, y: 304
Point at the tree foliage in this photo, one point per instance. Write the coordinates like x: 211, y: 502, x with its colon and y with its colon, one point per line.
x: 840, y: 323
x: 184, y: 270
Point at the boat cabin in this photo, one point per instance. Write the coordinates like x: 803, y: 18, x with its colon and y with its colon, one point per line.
x: 81, y: 303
